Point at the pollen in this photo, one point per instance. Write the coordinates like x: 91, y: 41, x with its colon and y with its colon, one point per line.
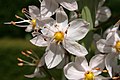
x: 117, y: 46
x: 59, y: 36
x: 33, y: 22
x: 89, y: 75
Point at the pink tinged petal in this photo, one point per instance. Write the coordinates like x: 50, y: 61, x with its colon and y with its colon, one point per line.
x: 103, y: 47
x: 77, y: 29
x: 109, y: 62
x: 61, y: 17
x: 97, y: 61
x: 69, y: 4
x: 39, y: 41
x: 48, y: 7
x: 54, y: 55
x: 72, y: 73
x: 34, y: 11
x: 103, y: 14
x: 74, y: 48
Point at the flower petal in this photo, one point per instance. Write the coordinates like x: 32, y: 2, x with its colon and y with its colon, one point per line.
x: 74, y: 48
x: 103, y: 47
x: 77, y: 30
x: 39, y: 41
x: 97, y: 61
x: 54, y: 55
x: 61, y: 17
x: 81, y: 64
x: 48, y: 7
x: 69, y: 4
x: 109, y: 62
x: 29, y: 28
x: 37, y: 73
x: 71, y: 72
x: 34, y: 11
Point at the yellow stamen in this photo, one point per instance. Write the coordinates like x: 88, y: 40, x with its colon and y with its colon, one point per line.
x: 89, y: 75
x: 33, y: 21
x: 117, y: 46
x: 59, y: 36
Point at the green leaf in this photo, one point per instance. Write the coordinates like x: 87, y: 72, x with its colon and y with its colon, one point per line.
x: 86, y: 14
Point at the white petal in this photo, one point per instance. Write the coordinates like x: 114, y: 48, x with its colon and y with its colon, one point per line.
x: 103, y: 14
x: 61, y: 17
x: 77, y: 30
x: 71, y: 72
x: 108, y: 62
x: 97, y: 61
x: 34, y: 11
x: 112, y: 38
x: 48, y: 7
x: 103, y: 47
x: 69, y: 4
x: 54, y: 55
x: 44, y: 22
x: 74, y: 48
x: 39, y: 41
x: 29, y: 28
x: 81, y: 64
x: 37, y: 73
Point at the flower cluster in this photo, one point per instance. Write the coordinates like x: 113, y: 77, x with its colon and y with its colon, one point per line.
x: 62, y: 38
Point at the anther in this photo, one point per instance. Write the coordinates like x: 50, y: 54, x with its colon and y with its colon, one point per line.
x: 20, y: 64
x: 25, y: 54
x: 13, y: 23
x: 29, y: 52
x: 19, y: 59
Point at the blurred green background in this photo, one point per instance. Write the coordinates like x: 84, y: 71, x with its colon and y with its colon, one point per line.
x: 13, y: 39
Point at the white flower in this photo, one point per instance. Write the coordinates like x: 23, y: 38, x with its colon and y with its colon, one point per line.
x: 103, y: 13
x: 79, y: 70
x: 48, y: 7
x: 110, y: 45
x: 34, y: 19
x: 62, y: 36
x: 38, y: 63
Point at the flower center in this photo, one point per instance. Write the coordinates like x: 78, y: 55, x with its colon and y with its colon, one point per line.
x: 117, y: 46
x: 33, y: 21
x: 59, y: 36
x: 89, y: 75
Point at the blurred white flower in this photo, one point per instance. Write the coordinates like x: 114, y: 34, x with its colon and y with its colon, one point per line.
x: 103, y: 13
x: 79, y: 70
x: 62, y: 36
x: 38, y: 63
x: 48, y: 7
x: 110, y: 45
